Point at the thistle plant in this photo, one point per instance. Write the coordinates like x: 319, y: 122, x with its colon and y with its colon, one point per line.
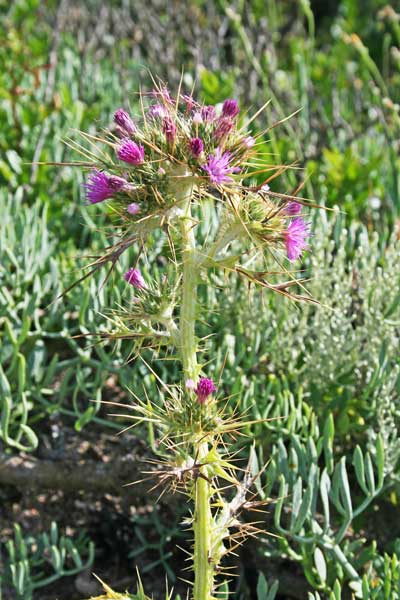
x: 186, y: 178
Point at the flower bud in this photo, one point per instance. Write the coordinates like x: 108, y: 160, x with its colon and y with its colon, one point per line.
x: 190, y: 384
x: 208, y: 113
x: 292, y: 208
x: 196, y: 147
x: 230, y: 108
x: 135, y: 278
x: 124, y: 121
x: 223, y: 128
x: 204, y: 389
x: 133, y: 208
x: 169, y: 129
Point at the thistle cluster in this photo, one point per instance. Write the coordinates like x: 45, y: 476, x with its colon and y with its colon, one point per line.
x: 178, y: 144
x: 173, y: 138
x: 158, y: 171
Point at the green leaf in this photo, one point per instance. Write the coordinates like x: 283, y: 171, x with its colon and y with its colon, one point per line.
x: 345, y: 488
x: 324, y: 488
x: 254, y: 468
x: 85, y: 418
x: 320, y: 564
x: 304, y: 511
x: 358, y: 462
x: 273, y: 591
x: 380, y: 459
x: 328, y: 438
x: 262, y: 587
x: 296, y: 501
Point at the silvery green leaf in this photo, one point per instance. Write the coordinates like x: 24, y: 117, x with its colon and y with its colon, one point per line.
x: 296, y: 501
x: 324, y: 488
x: 262, y: 587
x: 304, y: 511
x: 273, y: 591
x: 320, y: 564
x: 358, y: 462
x: 328, y: 437
x: 369, y: 473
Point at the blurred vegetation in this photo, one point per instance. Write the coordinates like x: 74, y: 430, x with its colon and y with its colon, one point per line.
x: 330, y: 373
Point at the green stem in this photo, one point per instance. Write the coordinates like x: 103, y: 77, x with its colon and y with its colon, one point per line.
x: 202, y: 527
x: 189, y: 296
x: 203, y: 519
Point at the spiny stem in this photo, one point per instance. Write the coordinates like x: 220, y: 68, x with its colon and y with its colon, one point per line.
x: 189, y: 296
x: 203, y: 519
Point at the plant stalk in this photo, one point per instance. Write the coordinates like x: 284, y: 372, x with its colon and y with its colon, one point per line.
x: 189, y: 297
x: 203, y: 519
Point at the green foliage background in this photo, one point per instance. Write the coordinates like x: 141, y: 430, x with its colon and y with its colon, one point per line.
x: 330, y: 373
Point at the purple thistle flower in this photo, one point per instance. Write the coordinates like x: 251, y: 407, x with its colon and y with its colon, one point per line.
x: 169, y: 129
x: 157, y: 111
x: 205, y: 388
x: 101, y: 186
x: 218, y: 167
x: 292, y: 208
x: 295, y: 238
x: 133, y: 208
x: 196, y: 147
x: 208, y: 113
x: 230, y: 108
x: 130, y: 152
x: 223, y: 127
x: 135, y: 278
x: 124, y: 121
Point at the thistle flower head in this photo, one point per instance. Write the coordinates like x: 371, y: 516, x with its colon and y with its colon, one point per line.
x: 293, y: 208
x: 124, y: 121
x: 208, y: 113
x: 204, y: 389
x: 295, y: 238
x: 218, y: 167
x: 196, y: 147
x: 100, y: 186
x: 230, y: 108
x: 130, y: 152
x: 135, y: 278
